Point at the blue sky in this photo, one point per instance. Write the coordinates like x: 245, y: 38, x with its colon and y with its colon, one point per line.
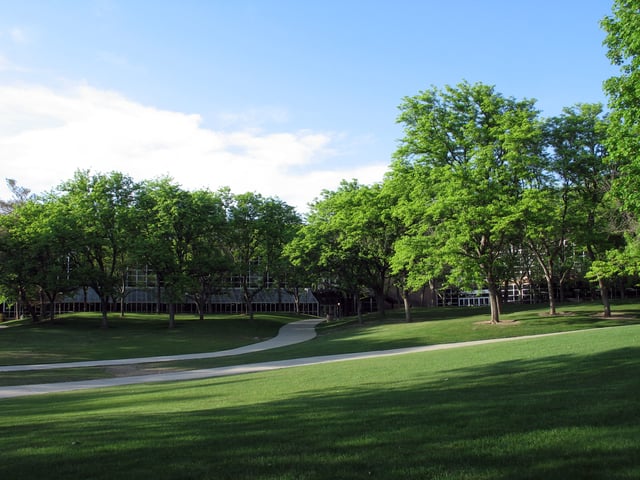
x: 281, y: 97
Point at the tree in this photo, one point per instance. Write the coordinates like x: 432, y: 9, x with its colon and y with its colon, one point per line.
x: 623, y: 133
x: 352, y: 232
x: 35, y: 248
x: 585, y: 217
x: 477, y: 150
x: 20, y: 195
x: 102, y: 208
x: 18, y: 264
x: 412, y: 264
x: 208, y: 263
x: 167, y: 237
x: 560, y: 213
x: 260, y: 227
x: 623, y: 140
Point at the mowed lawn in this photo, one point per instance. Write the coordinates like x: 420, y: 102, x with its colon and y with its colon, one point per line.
x: 559, y: 407
x: 77, y: 337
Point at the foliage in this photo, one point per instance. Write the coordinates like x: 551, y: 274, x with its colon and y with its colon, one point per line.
x: 102, y: 209
x: 479, y: 186
x: 97, y: 228
x: 182, y: 240
x: 568, y: 210
x: 350, y: 234
x: 260, y: 228
x: 20, y: 195
x: 623, y: 49
x: 475, y: 150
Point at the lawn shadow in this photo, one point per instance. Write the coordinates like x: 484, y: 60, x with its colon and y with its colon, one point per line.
x: 565, y: 416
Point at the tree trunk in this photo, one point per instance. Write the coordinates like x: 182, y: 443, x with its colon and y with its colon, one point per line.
x: 85, y: 299
x: 359, y: 310
x: 172, y: 314
x: 33, y: 313
x: 52, y: 308
x: 200, y: 301
x: 248, y: 303
x: 604, y: 294
x: 380, y: 303
x: 407, y: 306
x: 604, y: 290
x: 43, y: 304
x: 158, y: 295
x: 296, y: 299
x: 122, y: 303
x: 104, y: 308
x: 433, y: 294
x: 494, y: 302
x: 552, y: 295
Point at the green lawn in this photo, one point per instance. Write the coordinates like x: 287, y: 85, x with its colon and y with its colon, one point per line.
x: 79, y: 338
x: 561, y: 407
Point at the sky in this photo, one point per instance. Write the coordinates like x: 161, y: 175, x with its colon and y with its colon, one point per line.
x: 285, y: 98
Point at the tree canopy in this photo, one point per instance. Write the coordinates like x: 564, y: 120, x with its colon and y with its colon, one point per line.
x: 483, y: 194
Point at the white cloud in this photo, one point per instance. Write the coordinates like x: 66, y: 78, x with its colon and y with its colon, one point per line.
x: 46, y: 135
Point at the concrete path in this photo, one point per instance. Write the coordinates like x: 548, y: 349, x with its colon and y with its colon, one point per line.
x: 289, y: 334
x: 297, y: 330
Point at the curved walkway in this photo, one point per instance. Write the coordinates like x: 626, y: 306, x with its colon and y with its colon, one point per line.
x: 295, y: 332
x: 289, y: 334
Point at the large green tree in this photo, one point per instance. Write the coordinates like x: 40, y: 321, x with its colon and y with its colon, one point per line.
x: 50, y: 237
x: 102, y: 207
x: 623, y: 135
x: 623, y: 143
x: 260, y: 227
x: 18, y: 261
x: 180, y: 239
x: 349, y: 237
x: 584, y: 173
x: 209, y: 263
x: 476, y: 151
x: 567, y: 210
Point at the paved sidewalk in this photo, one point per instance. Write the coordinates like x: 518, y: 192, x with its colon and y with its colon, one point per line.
x: 303, y: 329
x: 289, y: 334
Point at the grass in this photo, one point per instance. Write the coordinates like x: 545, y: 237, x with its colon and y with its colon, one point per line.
x: 79, y: 338
x: 554, y: 407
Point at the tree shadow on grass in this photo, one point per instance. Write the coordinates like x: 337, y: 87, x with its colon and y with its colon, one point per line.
x: 563, y: 416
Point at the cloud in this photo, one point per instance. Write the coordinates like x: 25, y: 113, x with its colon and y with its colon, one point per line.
x: 46, y: 135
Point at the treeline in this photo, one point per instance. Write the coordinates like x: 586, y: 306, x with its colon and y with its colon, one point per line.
x: 95, y: 228
x: 482, y: 192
